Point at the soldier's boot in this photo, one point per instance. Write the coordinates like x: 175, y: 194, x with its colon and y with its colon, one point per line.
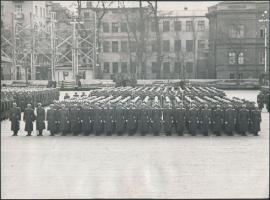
x: 29, y: 133
x: 243, y: 134
x: 156, y: 133
x: 218, y: 133
x: 205, y: 133
x: 52, y: 133
x: 109, y: 133
x: 229, y: 133
x: 15, y: 133
x: 168, y: 133
x: 256, y: 134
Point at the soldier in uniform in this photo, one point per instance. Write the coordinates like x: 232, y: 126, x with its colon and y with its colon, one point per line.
x: 155, y: 119
x: 205, y: 119
x: 75, y: 119
x: 229, y: 120
x: 52, y: 120
x: 40, y: 121
x: 180, y: 119
x: 119, y: 119
x: 193, y: 119
x: 217, y: 120
x: 255, y: 121
x: 64, y: 125
x: 83, y: 94
x: 168, y: 119
x: 143, y: 119
x: 29, y: 116
x: 86, y: 120
x: 132, y: 120
x: 260, y: 100
x: 243, y: 120
x: 15, y: 117
x: 66, y: 96
x: 108, y: 119
x: 267, y: 101
x: 97, y: 119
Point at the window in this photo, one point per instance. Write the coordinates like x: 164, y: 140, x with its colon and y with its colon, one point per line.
x: 124, y: 67
x: 261, y: 33
x: 115, y: 46
x: 166, y: 26
x: 189, y: 67
x: 236, y: 31
x: 261, y: 57
x: 106, y: 46
x: 232, y: 58
x: 188, y: 26
x: 177, y: 26
x: 82, y: 74
x: 189, y: 45
x: 36, y: 10
x: 106, y: 67
x: 40, y: 12
x: 154, y: 67
x: 124, y: 27
x: 201, y: 44
x: 105, y: 27
x: 166, y: 67
x: 133, y: 46
x: 231, y: 75
x: 115, y: 27
x: 177, y: 45
x: 18, y: 8
x: 240, y: 76
x: 44, y: 13
x: 154, y: 46
x: 177, y: 67
x: 115, y: 67
x: 153, y: 26
x: 241, y: 58
x: 201, y: 26
x: 166, y: 45
x: 87, y: 15
x: 124, y: 47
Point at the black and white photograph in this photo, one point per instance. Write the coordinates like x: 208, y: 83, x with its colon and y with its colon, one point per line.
x: 134, y: 99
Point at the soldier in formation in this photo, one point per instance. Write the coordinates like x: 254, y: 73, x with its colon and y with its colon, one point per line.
x: 115, y: 111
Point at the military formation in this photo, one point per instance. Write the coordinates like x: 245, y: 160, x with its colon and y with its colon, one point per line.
x: 263, y: 98
x: 23, y: 96
x: 157, y: 110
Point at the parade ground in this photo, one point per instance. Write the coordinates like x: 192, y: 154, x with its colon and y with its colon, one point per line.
x: 136, y: 166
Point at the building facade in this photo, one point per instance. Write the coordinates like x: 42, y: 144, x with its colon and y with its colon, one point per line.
x: 236, y: 40
x: 183, y: 38
x: 21, y: 19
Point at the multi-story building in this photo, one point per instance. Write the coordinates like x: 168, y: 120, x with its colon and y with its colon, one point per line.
x: 23, y: 18
x: 236, y: 39
x: 184, y: 43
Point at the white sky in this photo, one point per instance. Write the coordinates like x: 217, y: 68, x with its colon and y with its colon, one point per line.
x: 162, y: 5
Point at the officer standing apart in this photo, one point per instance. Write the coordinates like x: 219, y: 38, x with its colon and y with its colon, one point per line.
x: 29, y: 116
x: 15, y: 117
x: 40, y: 122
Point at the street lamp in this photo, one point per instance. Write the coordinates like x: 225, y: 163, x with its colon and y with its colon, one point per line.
x: 265, y: 19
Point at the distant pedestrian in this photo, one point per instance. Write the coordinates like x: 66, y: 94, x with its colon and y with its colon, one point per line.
x: 29, y: 117
x: 15, y: 117
x: 40, y: 122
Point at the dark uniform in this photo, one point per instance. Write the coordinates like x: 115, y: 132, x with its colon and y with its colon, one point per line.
x: 75, y: 120
x: 108, y: 120
x: 217, y: 120
x: 155, y: 118
x: 143, y: 120
x: 40, y: 122
x: 98, y: 126
x: 119, y: 120
x: 86, y: 120
x: 255, y: 121
x: 15, y: 117
x: 29, y: 117
x: 229, y: 120
x: 192, y: 117
x: 168, y: 120
x: 64, y: 125
x: 52, y: 121
x: 243, y: 120
x: 205, y: 120
x: 260, y: 100
x: 132, y: 119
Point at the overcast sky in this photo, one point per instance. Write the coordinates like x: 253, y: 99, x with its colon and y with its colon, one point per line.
x: 162, y: 5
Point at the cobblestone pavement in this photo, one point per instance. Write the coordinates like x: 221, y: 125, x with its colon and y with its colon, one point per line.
x: 136, y: 166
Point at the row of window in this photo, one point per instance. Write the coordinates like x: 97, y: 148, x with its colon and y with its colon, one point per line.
x: 238, y: 58
x: 42, y: 12
x: 122, y: 27
x: 237, y: 31
x: 178, y: 67
x: 166, y: 47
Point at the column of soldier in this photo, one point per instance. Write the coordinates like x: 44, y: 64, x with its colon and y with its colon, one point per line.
x: 146, y: 110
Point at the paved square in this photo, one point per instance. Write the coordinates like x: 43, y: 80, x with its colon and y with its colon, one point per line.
x: 136, y: 166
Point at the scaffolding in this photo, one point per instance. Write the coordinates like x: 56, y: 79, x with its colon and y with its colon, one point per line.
x: 29, y: 48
